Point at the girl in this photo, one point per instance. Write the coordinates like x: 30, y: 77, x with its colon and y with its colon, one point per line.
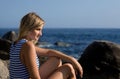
x: 24, y: 63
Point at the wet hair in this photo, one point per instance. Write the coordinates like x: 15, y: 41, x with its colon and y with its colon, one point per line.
x: 28, y: 22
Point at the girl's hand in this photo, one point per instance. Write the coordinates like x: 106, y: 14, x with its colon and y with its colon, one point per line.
x: 78, y: 67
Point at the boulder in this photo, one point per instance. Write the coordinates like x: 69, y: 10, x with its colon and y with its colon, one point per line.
x: 4, y: 49
x: 62, y: 44
x: 5, y: 43
x: 11, y: 36
x: 101, y: 60
x: 4, y: 72
x: 44, y: 44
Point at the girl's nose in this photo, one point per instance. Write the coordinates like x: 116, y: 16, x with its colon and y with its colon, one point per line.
x: 40, y: 33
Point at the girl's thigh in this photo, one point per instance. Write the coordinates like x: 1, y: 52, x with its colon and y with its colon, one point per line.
x: 64, y: 72
x: 49, y: 67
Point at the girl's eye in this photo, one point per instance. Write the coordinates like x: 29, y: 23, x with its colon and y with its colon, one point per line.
x: 38, y: 29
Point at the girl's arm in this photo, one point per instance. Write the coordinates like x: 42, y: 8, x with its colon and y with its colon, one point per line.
x: 28, y: 57
x: 50, y: 52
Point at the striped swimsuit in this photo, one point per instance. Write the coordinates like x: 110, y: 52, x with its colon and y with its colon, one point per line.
x: 17, y: 69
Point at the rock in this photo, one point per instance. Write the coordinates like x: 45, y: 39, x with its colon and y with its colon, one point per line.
x: 44, y: 44
x: 4, y: 55
x: 62, y: 44
x: 101, y: 60
x: 4, y: 49
x: 5, y: 45
x: 4, y: 72
x: 11, y: 36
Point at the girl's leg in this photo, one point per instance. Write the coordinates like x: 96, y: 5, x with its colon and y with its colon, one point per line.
x: 64, y: 72
x: 49, y: 67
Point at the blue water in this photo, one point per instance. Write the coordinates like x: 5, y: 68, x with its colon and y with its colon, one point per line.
x: 78, y: 39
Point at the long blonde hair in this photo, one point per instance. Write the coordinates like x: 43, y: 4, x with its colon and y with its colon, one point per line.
x: 29, y: 22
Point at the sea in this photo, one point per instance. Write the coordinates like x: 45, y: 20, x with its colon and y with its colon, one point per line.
x: 74, y: 40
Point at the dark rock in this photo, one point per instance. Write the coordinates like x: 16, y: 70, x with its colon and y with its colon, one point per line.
x: 11, y: 35
x: 5, y: 45
x: 4, y: 55
x: 4, y: 49
x: 101, y: 60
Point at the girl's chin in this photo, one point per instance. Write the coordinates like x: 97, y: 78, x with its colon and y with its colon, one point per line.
x: 36, y: 39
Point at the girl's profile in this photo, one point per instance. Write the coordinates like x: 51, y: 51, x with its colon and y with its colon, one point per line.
x: 24, y: 62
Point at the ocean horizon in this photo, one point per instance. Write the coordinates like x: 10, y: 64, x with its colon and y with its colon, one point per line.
x: 77, y: 38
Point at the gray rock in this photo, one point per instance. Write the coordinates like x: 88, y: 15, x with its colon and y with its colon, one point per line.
x: 4, y: 72
x: 11, y: 36
x: 44, y: 44
x: 62, y: 44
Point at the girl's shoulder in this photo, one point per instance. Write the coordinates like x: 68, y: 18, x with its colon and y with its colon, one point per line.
x: 28, y: 44
x: 28, y: 48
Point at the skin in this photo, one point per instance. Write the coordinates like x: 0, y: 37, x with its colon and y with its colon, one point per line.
x: 52, y: 68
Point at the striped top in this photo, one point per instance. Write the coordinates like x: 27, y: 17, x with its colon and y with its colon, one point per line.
x: 17, y: 69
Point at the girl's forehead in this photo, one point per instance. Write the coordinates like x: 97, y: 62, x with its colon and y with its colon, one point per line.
x: 40, y: 27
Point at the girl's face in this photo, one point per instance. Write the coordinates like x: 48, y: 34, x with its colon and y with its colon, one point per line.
x: 34, y: 34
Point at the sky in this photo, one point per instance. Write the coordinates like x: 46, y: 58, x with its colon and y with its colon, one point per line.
x: 63, y: 13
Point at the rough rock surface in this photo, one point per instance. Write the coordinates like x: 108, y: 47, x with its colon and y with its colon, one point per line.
x: 101, y: 60
x: 4, y: 72
x: 62, y: 44
x: 4, y: 49
x: 11, y: 36
x: 5, y: 43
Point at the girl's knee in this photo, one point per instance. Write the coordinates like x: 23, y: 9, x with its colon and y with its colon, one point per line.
x: 69, y: 65
x: 56, y: 60
x: 70, y: 68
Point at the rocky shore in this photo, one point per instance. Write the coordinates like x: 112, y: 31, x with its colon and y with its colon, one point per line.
x: 100, y: 60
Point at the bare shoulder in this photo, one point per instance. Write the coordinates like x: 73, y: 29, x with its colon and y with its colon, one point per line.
x: 27, y: 51
x: 27, y: 47
x: 28, y: 44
